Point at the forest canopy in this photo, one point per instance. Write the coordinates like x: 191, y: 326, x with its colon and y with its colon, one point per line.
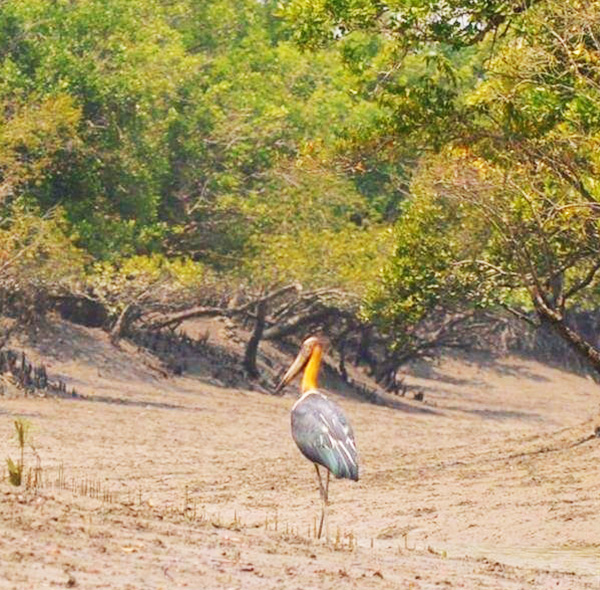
x: 178, y: 128
x: 429, y: 159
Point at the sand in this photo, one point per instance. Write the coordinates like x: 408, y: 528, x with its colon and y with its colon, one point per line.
x: 492, y: 481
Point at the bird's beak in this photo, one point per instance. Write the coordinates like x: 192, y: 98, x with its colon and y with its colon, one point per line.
x: 294, y: 369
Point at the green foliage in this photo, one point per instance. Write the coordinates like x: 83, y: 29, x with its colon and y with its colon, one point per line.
x: 456, y: 22
x: 16, y: 470
x: 153, y: 279
x: 349, y: 259
x: 37, y: 250
x: 318, y: 233
x: 145, y: 143
x: 102, y: 74
x: 146, y: 270
x: 260, y: 133
x: 182, y: 129
x: 433, y: 267
x: 38, y: 259
x: 32, y: 138
x: 509, y: 212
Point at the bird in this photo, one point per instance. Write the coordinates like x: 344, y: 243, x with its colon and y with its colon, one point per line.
x: 319, y: 426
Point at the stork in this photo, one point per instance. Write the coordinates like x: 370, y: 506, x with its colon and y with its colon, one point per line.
x: 319, y: 426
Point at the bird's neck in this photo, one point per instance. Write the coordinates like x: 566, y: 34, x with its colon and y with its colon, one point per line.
x: 309, y: 380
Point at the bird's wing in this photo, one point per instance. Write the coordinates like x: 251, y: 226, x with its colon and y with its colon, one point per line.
x: 324, y: 435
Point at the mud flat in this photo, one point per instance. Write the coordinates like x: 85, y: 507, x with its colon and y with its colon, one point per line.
x: 492, y: 481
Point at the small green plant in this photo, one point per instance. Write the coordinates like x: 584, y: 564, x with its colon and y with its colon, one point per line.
x: 15, y: 470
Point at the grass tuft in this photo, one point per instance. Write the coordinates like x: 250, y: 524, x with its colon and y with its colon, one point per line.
x: 16, y: 469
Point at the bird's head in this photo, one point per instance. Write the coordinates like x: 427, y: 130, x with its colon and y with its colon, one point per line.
x: 308, y: 348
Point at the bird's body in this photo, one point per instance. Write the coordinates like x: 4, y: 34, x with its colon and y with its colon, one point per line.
x: 319, y: 426
x: 324, y: 435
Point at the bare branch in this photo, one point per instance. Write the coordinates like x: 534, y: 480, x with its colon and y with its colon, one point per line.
x: 579, y: 286
x: 210, y: 311
x: 519, y: 314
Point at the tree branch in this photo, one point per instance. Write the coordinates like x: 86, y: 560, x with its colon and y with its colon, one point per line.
x: 210, y: 311
x: 585, y: 282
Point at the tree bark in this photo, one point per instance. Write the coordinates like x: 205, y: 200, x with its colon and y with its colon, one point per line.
x: 363, y: 353
x: 129, y: 314
x: 304, y: 319
x: 342, y: 363
x: 584, y: 350
x: 208, y: 311
x: 386, y: 372
x: 252, y: 346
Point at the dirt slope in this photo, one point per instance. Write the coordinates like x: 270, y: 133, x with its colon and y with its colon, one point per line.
x: 492, y: 481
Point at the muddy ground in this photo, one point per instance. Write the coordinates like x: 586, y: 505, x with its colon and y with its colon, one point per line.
x: 492, y: 481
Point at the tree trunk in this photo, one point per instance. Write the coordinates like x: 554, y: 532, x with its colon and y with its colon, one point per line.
x: 342, y: 364
x: 386, y: 372
x: 363, y: 351
x: 584, y: 350
x: 6, y: 334
x: 129, y: 314
x: 298, y: 322
x: 252, y: 346
x: 211, y: 312
x: 363, y: 346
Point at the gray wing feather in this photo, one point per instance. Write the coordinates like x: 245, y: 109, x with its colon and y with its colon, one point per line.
x: 325, y: 436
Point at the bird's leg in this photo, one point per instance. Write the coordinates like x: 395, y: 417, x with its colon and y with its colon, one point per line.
x: 323, y: 493
x: 326, y: 505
